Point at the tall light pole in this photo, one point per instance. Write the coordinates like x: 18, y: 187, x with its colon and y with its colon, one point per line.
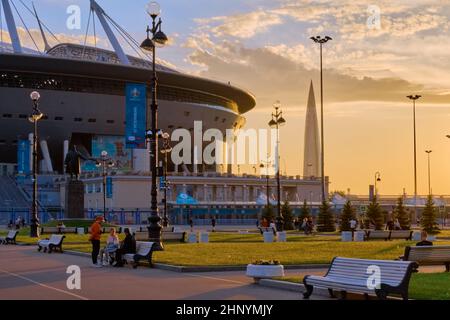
x: 414, y: 98
x: 158, y: 39
x: 321, y: 40
x: 429, y: 171
x: 377, y: 179
x: 165, y: 150
x: 34, y: 118
x: 276, y: 122
x: 262, y: 166
x: 105, y: 163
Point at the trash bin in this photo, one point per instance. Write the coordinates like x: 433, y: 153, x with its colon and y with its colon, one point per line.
x: 281, y: 236
x: 80, y: 230
x: 359, y: 236
x: 346, y: 236
x: 204, y: 237
x: 268, y: 236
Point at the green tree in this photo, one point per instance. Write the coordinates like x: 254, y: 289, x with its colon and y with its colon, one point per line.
x: 325, y: 220
x: 348, y: 213
x: 286, y: 212
x: 428, y: 221
x: 304, y: 212
x: 268, y: 212
x: 402, y: 215
x: 374, y: 214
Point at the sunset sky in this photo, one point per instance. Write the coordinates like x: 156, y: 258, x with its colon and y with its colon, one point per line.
x: 264, y: 47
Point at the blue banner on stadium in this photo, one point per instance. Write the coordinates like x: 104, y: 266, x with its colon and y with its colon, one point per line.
x: 23, y: 157
x: 136, y: 105
x: 109, y: 187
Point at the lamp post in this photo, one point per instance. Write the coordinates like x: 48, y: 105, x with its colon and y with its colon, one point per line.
x: 158, y: 39
x: 429, y: 171
x: 377, y: 179
x: 321, y: 41
x: 34, y: 118
x: 105, y: 163
x: 276, y: 122
x: 165, y: 150
x: 414, y: 98
x: 262, y: 166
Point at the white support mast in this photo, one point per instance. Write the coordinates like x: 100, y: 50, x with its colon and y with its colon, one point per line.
x: 112, y: 38
x: 17, y: 47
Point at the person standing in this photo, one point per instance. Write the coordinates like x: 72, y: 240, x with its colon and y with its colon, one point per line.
x: 191, y: 223
x: 213, y: 224
x: 96, y: 233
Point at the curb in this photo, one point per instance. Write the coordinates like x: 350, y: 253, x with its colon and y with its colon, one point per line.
x: 290, y: 286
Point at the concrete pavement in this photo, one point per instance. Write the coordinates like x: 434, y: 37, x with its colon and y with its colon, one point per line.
x: 28, y: 274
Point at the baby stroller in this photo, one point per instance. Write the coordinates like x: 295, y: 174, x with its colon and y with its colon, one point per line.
x: 109, y: 254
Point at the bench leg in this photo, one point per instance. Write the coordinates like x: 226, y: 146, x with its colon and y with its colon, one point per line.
x: 447, y: 267
x: 309, y: 289
x: 50, y: 249
x: 331, y: 293
x: 366, y: 296
x: 381, y: 294
x: 39, y: 248
x: 343, y: 295
x: 405, y: 296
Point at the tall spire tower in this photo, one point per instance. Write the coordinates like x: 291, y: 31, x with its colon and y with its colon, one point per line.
x: 311, y: 163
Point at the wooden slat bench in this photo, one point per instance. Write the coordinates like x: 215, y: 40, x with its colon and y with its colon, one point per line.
x: 144, y: 250
x: 401, y: 234
x: 377, y: 234
x: 166, y: 236
x: 55, y: 242
x: 10, y: 237
x: 352, y: 275
x: 58, y: 230
x: 428, y: 255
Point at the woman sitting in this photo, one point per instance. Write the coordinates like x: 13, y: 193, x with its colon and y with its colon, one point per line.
x: 112, y: 244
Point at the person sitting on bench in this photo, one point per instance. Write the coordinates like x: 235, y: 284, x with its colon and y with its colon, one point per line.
x: 128, y: 245
x: 424, y: 241
x: 112, y: 244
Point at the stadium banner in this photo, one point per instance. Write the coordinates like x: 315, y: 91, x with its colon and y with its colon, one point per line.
x: 23, y: 157
x: 136, y: 103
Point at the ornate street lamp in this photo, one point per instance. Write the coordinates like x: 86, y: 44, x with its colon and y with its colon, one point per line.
x: 276, y: 122
x: 104, y: 162
x: 34, y: 118
x: 322, y: 40
x: 429, y: 171
x: 377, y: 179
x: 165, y: 150
x: 150, y: 44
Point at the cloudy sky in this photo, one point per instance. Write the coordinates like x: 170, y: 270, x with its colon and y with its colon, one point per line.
x: 381, y: 51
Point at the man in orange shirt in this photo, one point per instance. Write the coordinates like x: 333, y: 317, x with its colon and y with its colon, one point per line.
x: 96, y: 233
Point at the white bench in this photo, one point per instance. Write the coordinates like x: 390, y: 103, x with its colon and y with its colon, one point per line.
x: 355, y: 275
x: 55, y: 242
x: 10, y: 238
x: 144, y: 250
x: 428, y: 255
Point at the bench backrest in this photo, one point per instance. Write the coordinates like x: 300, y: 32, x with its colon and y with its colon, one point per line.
x: 143, y: 248
x: 391, y: 272
x: 49, y: 229
x: 378, y: 234
x: 56, y: 239
x: 401, y: 234
x: 428, y: 254
x: 12, y: 234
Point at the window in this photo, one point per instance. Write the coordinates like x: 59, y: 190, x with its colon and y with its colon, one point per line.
x: 59, y: 118
x: 23, y: 116
x: 7, y: 115
x: 78, y: 119
x: 92, y: 120
x: 110, y: 121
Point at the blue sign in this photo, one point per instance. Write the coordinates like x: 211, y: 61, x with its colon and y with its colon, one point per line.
x: 109, y: 187
x: 23, y: 157
x: 136, y: 115
x: 185, y: 199
x: 161, y: 183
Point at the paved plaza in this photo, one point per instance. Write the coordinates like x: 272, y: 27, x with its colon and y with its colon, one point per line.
x: 28, y: 274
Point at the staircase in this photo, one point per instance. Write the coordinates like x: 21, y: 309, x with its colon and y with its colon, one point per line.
x: 11, y: 197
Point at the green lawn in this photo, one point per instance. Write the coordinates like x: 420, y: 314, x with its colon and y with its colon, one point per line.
x: 241, y: 249
x: 423, y: 286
